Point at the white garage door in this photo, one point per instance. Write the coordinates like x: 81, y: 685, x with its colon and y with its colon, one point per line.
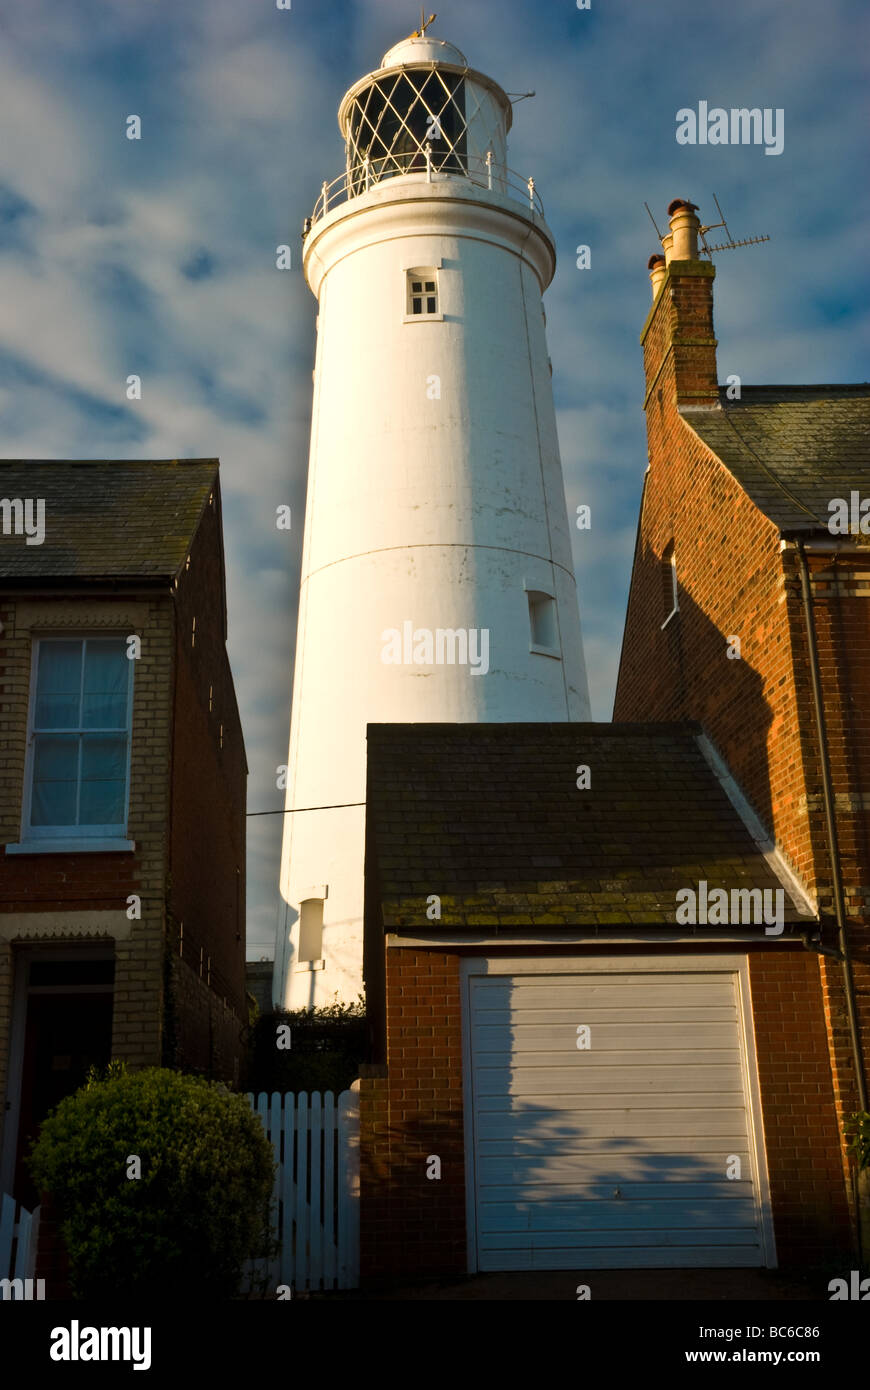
x: 616, y: 1155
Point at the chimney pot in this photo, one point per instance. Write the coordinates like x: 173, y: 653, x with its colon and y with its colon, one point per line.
x: 658, y: 270
x: 684, y: 230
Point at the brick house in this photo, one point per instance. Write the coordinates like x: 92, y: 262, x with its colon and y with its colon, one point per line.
x: 123, y: 773
x: 741, y: 534
x: 511, y: 904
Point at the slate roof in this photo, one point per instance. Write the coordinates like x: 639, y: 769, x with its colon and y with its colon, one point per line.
x: 792, y: 448
x: 489, y: 817
x: 106, y: 518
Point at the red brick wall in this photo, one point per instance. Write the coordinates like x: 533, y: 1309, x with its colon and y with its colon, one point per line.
x: 841, y: 607
x: 734, y: 580
x: 70, y: 882
x: 730, y: 583
x: 202, y: 1033
x: 207, y: 837
x: 808, y: 1191
x: 411, y: 1224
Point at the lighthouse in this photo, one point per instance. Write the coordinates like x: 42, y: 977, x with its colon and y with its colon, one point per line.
x: 437, y: 581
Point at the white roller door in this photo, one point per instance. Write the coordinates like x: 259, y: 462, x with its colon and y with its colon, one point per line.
x: 615, y: 1155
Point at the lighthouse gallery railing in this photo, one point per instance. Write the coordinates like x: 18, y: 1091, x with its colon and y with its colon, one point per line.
x: 483, y: 173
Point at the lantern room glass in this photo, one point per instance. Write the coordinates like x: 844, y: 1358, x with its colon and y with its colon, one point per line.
x: 393, y: 120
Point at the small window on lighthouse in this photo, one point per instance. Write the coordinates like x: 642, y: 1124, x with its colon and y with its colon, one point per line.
x: 310, y: 930
x: 422, y: 294
x: 543, y: 633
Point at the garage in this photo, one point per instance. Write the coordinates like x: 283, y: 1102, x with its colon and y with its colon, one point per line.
x: 612, y: 1115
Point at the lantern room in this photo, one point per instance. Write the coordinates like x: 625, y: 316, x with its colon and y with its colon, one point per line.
x: 424, y: 109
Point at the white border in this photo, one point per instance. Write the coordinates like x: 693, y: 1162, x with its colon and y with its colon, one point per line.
x: 737, y: 965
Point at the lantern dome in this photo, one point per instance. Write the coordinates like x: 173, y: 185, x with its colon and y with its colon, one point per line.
x: 423, y: 50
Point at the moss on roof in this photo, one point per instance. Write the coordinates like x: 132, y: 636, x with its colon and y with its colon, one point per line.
x: 489, y: 817
x: 106, y: 518
x: 792, y: 448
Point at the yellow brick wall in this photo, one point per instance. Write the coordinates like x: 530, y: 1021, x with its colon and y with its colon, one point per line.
x: 58, y: 884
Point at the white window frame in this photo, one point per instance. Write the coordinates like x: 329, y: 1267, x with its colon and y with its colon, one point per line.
x: 675, y: 591
x: 70, y: 838
x: 421, y: 272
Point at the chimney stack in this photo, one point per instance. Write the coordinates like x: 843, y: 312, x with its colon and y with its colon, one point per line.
x: 678, y: 343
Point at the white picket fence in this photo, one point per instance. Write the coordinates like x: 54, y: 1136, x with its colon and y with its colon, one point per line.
x: 316, y: 1145
x: 17, y: 1241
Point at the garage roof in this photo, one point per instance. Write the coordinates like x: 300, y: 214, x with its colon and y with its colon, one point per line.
x: 489, y: 818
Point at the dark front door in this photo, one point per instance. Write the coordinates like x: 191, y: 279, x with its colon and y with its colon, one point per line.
x: 65, y: 1034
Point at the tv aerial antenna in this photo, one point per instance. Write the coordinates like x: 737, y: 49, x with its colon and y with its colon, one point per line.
x: 653, y: 221
x: 706, y: 248
x: 730, y: 244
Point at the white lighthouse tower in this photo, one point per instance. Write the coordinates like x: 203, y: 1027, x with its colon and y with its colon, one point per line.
x: 437, y: 579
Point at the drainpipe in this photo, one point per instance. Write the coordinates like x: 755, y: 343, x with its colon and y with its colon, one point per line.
x: 860, y: 1181
x: 833, y: 842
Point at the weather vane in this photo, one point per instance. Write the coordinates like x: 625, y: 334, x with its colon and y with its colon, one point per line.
x: 424, y: 25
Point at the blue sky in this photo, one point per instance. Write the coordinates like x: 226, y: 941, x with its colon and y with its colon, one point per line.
x: 157, y: 256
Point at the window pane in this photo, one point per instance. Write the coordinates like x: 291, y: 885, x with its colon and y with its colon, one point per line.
x: 417, y: 306
x: 55, y: 770
x: 58, y: 685
x: 105, y: 686
x: 104, y: 779
x: 417, y: 285
x: 430, y: 306
x: 430, y: 285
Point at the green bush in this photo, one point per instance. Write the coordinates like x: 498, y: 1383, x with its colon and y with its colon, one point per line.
x: 201, y: 1207
x: 326, y: 1048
